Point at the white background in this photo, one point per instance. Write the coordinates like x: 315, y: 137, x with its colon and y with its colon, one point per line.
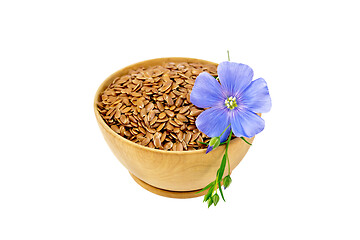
x: 59, y: 179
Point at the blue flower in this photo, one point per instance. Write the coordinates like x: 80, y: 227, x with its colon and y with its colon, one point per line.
x: 235, y: 102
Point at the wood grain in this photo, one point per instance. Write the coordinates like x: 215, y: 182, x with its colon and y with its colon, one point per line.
x: 167, y: 170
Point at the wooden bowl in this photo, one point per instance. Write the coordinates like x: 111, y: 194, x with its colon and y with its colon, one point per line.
x: 177, y: 174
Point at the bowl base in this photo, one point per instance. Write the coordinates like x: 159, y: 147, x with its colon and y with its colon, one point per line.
x: 167, y: 193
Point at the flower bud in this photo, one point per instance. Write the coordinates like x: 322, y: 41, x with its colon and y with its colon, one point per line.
x: 209, y: 149
x: 214, y: 142
x: 215, y: 199
x: 227, y: 181
x: 209, y: 201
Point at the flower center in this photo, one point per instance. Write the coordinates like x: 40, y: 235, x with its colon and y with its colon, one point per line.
x: 230, y: 103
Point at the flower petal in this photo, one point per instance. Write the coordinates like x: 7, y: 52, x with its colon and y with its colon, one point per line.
x: 213, y: 121
x: 206, y: 91
x: 245, y: 123
x: 234, y: 77
x: 256, y: 96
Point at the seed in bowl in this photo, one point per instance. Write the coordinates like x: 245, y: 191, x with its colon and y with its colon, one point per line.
x: 151, y: 106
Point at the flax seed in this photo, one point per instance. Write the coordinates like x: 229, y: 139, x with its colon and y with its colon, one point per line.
x: 151, y: 106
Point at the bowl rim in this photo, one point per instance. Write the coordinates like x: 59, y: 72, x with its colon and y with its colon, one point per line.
x: 117, y: 136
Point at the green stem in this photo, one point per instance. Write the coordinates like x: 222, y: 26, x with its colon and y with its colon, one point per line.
x: 226, y: 150
x: 224, y: 130
x: 228, y: 55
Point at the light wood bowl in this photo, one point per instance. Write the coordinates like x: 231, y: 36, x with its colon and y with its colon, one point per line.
x: 176, y: 174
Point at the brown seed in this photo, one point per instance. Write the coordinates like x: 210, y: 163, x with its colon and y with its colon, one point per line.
x: 173, y: 135
x: 181, y: 117
x: 127, y: 109
x: 196, y: 71
x: 160, y: 127
x: 191, y: 127
x: 149, y: 135
x: 153, y: 121
x: 133, y: 131
x: 123, y: 79
x: 168, y: 145
x: 162, y: 115
x: 184, y: 109
x: 117, y: 114
x: 115, y: 128
x: 140, y: 136
x: 151, y: 115
x: 184, y: 145
x: 110, y: 111
x: 151, y: 130
x: 163, y: 120
x: 143, y: 112
x: 187, y: 137
x: 131, y: 118
x: 174, y: 146
x: 166, y: 86
x: 136, y: 94
x: 195, y: 112
x: 194, y: 136
x: 156, y: 140
x: 163, y: 136
x: 141, y: 129
x: 169, y: 127
x: 170, y: 113
x: 151, y: 145
x: 178, y: 102
x: 180, y: 136
x: 160, y: 106
x: 149, y: 107
x: 179, y: 147
x: 166, y: 78
x: 168, y: 99
x: 140, y: 103
x: 138, y: 86
x: 123, y: 119
x: 178, y: 121
x: 172, y: 122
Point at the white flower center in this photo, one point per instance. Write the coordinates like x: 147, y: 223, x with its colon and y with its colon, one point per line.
x: 230, y: 103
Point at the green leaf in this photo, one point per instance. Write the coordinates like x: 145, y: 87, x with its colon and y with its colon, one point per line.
x: 215, y: 199
x: 209, y: 193
x: 221, y: 192
x: 203, y: 143
x: 221, y: 169
x: 208, y: 186
x: 246, y: 141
